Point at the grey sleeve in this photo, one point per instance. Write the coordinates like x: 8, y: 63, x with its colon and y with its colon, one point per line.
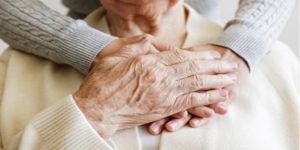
x: 256, y: 26
x: 30, y: 26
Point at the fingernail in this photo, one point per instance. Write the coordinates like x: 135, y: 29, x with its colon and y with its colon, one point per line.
x: 185, y: 113
x: 174, y: 125
x: 196, y: 123
x: 208, y: 113
x: 155, y: 128
x: 221, y: 109
x: 223, y: 93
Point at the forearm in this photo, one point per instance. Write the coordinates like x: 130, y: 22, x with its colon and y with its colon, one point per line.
x: 30, y: 26
x: 257, y: 24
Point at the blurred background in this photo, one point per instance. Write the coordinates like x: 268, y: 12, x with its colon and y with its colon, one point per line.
x: 289, y: 36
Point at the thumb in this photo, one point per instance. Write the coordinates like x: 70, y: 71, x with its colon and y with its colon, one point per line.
x: 162, y: 46
x: 157, y: 44
x: 141, y: 47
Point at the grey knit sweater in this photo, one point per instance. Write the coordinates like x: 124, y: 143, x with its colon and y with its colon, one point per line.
x: 30, y: 26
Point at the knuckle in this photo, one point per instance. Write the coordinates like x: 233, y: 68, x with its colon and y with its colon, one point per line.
x: 172, y: 48
x: 193, y: 66
x: 140, y: 59
x: 192, y: 99
x: 199, y: 99
x: 144, y: 60
x: 155, y: 75
x: 127, y: 47
x: 179, y: 54
x: 206, y: 98
x: 151, y: 75
x: 200, y: 81
x: 141, y: 64
x: 147, y: 37
x: 222, y: 66
x: 221, y: 79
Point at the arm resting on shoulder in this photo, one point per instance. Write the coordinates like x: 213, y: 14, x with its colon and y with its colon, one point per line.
x: 256, y: 26
x: 30, y: 26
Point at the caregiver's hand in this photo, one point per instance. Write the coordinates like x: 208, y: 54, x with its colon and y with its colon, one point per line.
x: 242, y: 73
x: 124, y: 90
x: 197, y: 116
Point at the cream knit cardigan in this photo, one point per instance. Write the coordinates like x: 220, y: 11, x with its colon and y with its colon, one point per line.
x: 38, y: 112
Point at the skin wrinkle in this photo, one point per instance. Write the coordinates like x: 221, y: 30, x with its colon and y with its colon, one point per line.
x: 116, y: 89
x: 152, y: 18
x: 155, y: 99
x: 138, y: 87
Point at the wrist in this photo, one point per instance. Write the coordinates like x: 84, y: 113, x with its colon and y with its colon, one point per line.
x: 252, y: 45
x: 94, y: 115
x: 230, y: 55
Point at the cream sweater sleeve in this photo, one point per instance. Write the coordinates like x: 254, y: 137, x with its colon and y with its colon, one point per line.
x: 2, y: 73
x: 61, y: 126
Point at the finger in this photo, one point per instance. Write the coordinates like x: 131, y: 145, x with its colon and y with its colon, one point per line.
x: 157, y: 44
x: 179, y: 56
x: 157, y: 126
x: 176, y: 124
x: 161, y: 46
x: 220, y: 108
x: 197, y: 99
x: 203, y: 82
x: 180, y: 114
x: 202, y: 112
x: 195, y: 67
x: 138, y: 48
x: 196, y: 122
x: 134, y: 39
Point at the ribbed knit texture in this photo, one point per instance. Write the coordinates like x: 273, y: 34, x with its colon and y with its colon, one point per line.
x: 63, y: 121
x: 30, y: 26
x: 255, y: 28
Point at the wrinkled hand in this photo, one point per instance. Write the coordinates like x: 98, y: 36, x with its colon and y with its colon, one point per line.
x: 198, y: 116
x: 130, y: 87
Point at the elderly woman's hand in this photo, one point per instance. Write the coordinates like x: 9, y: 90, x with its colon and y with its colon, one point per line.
x: 197, y: 116
x: 127, y: 88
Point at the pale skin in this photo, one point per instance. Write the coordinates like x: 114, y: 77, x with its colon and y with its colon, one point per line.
x: 130, y: 87
x: 129, y: 18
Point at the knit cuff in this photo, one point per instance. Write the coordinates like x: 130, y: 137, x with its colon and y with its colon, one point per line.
x: 245, y: 42
x: 82, y: 44
x: 63, y: 126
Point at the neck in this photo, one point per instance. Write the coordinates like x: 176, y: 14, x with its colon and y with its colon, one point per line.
x: 168, y: 25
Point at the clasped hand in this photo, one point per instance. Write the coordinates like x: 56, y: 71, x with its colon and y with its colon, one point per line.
x: 130, y: 84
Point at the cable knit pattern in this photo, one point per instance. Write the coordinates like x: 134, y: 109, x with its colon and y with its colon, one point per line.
x: 257, y: 24
x: 30, y: 26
